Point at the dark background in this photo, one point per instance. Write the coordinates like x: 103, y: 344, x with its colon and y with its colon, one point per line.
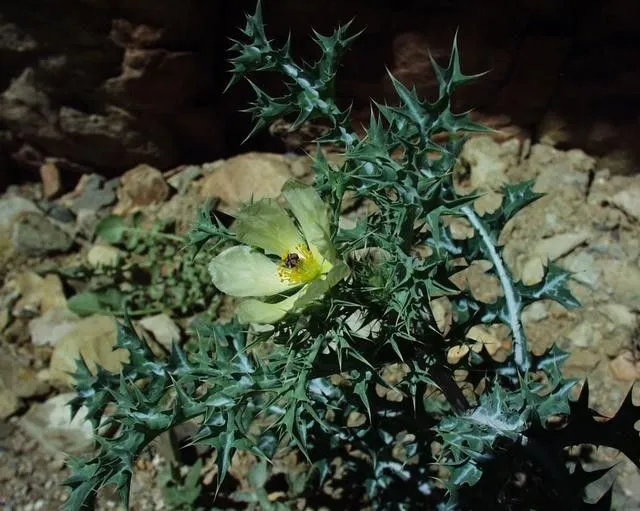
x: 102, y: 85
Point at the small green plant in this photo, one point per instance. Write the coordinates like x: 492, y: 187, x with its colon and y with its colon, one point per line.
x: 349, y: 368
x: 181, y: 491
x: 154, y: 273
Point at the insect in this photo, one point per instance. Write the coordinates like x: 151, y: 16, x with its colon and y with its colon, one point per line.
x: 292, y: 259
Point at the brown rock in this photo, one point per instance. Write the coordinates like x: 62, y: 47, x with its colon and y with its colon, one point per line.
x: 50, y: 176
x: 251, y: 175
x: 141, y: 186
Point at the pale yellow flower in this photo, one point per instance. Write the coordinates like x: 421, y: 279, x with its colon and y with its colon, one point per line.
x: 307, y: 259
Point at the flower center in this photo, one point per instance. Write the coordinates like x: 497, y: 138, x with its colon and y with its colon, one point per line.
x: 299, y: 266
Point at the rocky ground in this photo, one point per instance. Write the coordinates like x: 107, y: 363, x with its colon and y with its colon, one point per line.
x: 589, y: 222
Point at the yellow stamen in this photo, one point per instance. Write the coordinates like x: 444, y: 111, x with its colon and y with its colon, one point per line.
x: 301, y: 269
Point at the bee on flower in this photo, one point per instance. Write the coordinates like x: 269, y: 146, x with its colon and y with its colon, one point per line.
x: 306, y: 266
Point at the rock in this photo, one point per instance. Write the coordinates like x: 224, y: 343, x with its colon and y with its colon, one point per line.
x: 537, y: 311
x: 456, y: 353
x: 358, y: 327
x: 625, y: 367
x: 56, y: 211
x: 50, y: 177
x: 50, y: 424
x: 552, y: 167
x: 35, y: 235
x: 555, y: 247
x: 620, y: 315
x: 103, y: 255
x: 163, y: 328
x: 86, y: 223
x: 127, y: 35
x: 115, y: 138
x: 9, y: 402
x: 92, y: 338
x: 105, y: 138
x: 533, y: 271
x: 582, y: 336
x: 37, y: 295
x: 157, y: 80
x: 583, y: 268
x: 441, y: 310
x: 19, y: 379
x: 247, y: 176
x: 628, y: 200
x: 52, y: 326
x: 10, y: 208
x: 489, y: 161
x: 92, y: 193
x: 485, y: 336
x: 181, y: 180
x: 622, y: 281
x: 140, y: 186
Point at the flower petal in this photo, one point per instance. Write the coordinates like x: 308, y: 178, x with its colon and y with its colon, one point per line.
x: 240, y: 271
x: 266, y: 225
x: 312, y: 215
x: 255, y: 311
x: 321, y: 285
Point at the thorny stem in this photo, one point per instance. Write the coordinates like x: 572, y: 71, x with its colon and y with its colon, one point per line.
x: 520, y: 350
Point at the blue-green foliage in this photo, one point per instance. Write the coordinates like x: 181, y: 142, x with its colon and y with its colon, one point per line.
x: 284, y: 376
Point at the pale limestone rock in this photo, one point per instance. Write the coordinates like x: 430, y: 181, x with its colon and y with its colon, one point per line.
x: 245, y: 177
x: 163, y: 328
x: 628, y: 200
x: 50, y: 424
x: 92, y: 338
x: 625, y: 367
x: 37, y: 294
x: 533, y: 271
x: 561, y: 244
x: 620, y: 315
x: 489, y: 161
x: 52, y: 326
x: 582, y: 336
x: 103, y: 255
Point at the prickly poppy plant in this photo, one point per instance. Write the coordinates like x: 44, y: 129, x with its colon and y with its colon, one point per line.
x: 336, y: 352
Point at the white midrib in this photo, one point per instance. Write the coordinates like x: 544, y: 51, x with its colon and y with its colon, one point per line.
x: 520, y: 351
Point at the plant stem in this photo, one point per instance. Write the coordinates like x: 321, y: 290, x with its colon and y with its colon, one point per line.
x: 520, y: 349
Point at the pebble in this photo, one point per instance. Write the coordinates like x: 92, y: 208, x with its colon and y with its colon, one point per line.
x: 93, y: 193
x: 103, y: 255
x: 141, y: 186
x: 51, y: 183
